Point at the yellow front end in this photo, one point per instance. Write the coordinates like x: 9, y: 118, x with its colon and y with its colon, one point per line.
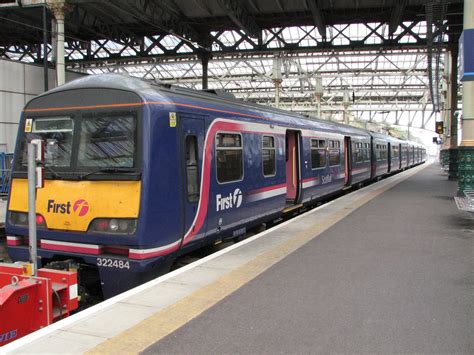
x: 73, y: 205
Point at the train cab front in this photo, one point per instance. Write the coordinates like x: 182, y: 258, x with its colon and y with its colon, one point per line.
x: 89, y: 208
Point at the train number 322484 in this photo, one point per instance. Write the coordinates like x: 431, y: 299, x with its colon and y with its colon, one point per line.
x: 119, y: 264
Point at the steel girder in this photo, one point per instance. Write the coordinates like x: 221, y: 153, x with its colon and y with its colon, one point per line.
x: 129, y: 48
x: 382, y: 81
x: 385, y: 68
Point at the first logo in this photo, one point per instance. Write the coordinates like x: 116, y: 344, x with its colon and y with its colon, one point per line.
x: 81, y: 207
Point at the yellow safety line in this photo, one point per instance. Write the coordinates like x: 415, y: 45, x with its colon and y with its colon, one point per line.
x: 168, y: 320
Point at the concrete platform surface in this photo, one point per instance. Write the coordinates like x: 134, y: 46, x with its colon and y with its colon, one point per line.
x: 389, y: 271
x: 395, y: 276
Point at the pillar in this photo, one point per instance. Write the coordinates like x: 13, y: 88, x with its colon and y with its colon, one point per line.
x: 45, y: 48
x: 277, y: 78
x: 453, y: 118
x: 466, y: 148
x: 277, y: 84
x: 444, y: 151
x: 204, y: 56
x: 445, y: 105
x: 59, y: 8
x: 318, y: 94
x: 345, y: 105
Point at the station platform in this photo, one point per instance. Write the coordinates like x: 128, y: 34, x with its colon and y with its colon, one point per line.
x: 385, y: 269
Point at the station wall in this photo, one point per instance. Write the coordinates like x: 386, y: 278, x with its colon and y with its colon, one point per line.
x: 19, y: 83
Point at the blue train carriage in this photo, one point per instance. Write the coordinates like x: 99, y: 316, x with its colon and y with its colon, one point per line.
x: 380, y: 154
x: 333, y: 157
x: 139, y: 173
x: 395, y: 160
x: 404, y: 156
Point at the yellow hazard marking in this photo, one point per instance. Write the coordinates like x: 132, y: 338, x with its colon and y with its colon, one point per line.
x: 164, y: 322
x: 28, y: 125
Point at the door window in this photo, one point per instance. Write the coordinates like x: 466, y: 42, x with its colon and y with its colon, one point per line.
x: 192, y: 171
x: 268, y: 156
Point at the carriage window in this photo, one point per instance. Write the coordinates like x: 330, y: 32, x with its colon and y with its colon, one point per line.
x: 192, y: 173
x: 381, y: 152
x: 229, y: 157
x: 334, y: 153
x: 355, y: 152
x: 395, y: 152
x: 367, y: 151
x: 268, y: 156
x: 318, y: 153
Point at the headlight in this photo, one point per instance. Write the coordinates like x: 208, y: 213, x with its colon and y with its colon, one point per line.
x: 21, y: 219
x: 113, y: 225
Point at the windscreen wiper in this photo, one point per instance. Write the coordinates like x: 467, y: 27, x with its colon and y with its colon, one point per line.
x: 54, y: 173
x: 108, y: 171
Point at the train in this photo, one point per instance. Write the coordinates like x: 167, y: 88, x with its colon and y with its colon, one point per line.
x: 139, y: 173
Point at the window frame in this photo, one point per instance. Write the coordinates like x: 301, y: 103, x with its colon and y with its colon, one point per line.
x: 197, y: 168
x: 319, y: 148
x: 86, y: 116
x: 71, y: 173
x: 356, y: 151
x: 274, y: 156
x: 367, y: 152
x: 216, y: 148
x: 338, y: 148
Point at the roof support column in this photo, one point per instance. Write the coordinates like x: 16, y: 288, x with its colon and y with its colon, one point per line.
x: 453, y: 116
x: 59, y: 9
x: 204, y: 56
x: 277, y: 78
x: 45, y: 47
x: 466, y: 149
x: 345, y: 105
x: 318, y: 94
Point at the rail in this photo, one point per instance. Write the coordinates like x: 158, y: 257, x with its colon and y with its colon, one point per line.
x: 466, y: 202
x: 6, y: 162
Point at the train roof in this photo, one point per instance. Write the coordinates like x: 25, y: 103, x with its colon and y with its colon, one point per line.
x: 389, y: 138
x: 146, y: 90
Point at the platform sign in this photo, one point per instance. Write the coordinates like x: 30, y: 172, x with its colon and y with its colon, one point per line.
x: 466, y: 55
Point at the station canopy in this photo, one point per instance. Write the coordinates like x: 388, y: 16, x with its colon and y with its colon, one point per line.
x: 379, y: 60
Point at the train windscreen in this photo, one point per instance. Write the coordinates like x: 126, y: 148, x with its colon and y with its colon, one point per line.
x: 85, y: 145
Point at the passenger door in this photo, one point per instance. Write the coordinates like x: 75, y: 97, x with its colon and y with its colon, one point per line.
x: 389, y: 157
x: 400, y: 160
x: 373, y: 159
x: 193, y: 135
x: 347, y: 160
x: 292, y: 166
